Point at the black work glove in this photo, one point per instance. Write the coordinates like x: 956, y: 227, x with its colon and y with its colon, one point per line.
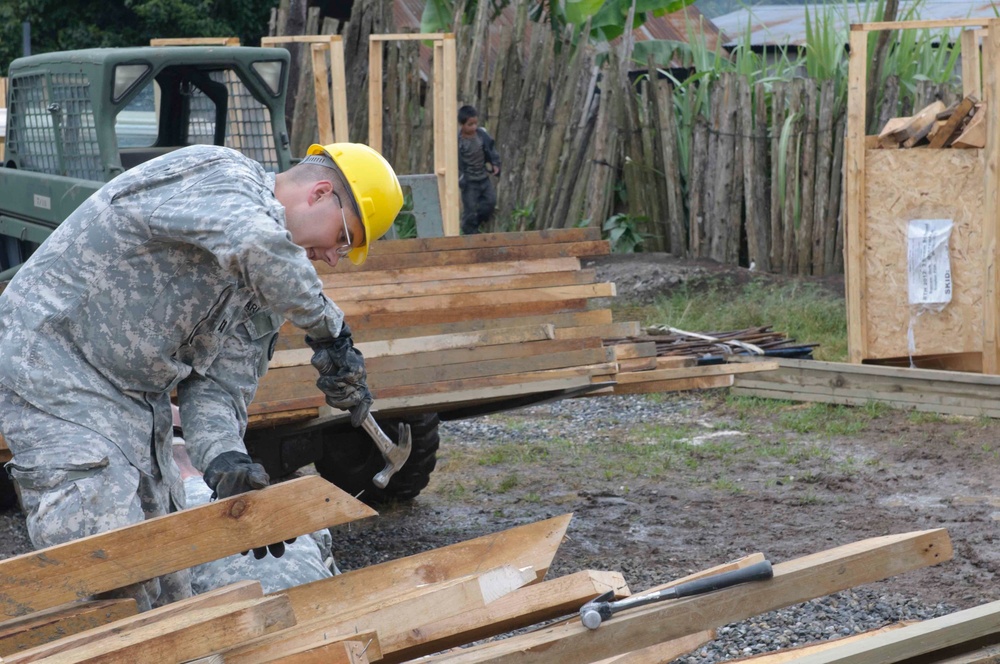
x: 342, y: 375
x: 233, y: 473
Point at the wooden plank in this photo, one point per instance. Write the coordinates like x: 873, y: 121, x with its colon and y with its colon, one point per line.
x: 794, y: 581
x: 338, y: 84
x: 321, y: 74
x: 791, y: 654
x: 933, y: 24
x: 272, y: 41
x: 972, y: 78
x: 423, y: 303
x: 486, y: 387
x: 974, y: 135
x: 854, y: 202
x: 662, y: 653
x: 403, y: 319
x: 900, y: 373
x: 697, y: 372
x: 674, y: 385
x: 607, y: 331
x: 991, y: 243
x: 522, y: 608
x: 487, y: 240
x: 446, y: 273
x: 452, y: 286
x: 397, y: 620
x: 637, y: 364
x: 408, y: 36
x: 291, y: 337
x: 383, y: 366
x: 532, y: 545
x: 196, y: 41
x: 56, y: 575
x: 450, y: 203
x: 375, y: 94
x: 470, y: 256
x: 42, y: 627
x: 238, y: 592
x: 339, y: 652
x: 632, y: 350
x: 274, y: 419
x: 181, y: 637
x: 918, y: 639
x: 422, y: 345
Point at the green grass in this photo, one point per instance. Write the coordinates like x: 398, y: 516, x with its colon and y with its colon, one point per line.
x: 830, y: 420
x: 801, y: 310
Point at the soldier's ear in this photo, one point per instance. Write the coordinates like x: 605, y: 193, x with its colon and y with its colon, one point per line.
x: 320, y: 189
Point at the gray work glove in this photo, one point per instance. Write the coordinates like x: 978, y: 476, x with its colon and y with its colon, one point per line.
x: 233, y: 473
x: 342, y: 375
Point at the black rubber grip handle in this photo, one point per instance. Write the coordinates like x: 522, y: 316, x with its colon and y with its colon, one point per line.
x: 761, y: 571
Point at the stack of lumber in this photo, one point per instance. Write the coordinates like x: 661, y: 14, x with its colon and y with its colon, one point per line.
x: 962, y: 125
x: 928, y: 390
x: 449, y: 323
x: 421, y: 606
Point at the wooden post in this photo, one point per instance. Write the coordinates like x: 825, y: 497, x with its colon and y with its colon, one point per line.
x: 337, y: 68
x: 854, y: 211
x: 375, y: 94
x: 972, y: 77
x: 991, y: 296
x: 321, y: 72
x: 437, y: 63
x: 449, y: 114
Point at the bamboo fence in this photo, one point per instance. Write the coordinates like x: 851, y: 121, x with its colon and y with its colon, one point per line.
x: 753, y: 177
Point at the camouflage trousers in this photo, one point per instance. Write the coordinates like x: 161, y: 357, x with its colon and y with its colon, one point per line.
x: 74, y: 482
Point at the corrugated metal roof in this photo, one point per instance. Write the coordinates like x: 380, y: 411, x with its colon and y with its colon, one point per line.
x: 776, y: 25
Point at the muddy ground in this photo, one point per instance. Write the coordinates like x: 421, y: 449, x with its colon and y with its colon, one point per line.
x: 664, y: 485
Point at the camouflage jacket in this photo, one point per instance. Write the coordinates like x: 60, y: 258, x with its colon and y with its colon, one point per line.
x: 175, y: 275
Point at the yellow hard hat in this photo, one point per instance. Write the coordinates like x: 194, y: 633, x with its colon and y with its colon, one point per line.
x: 374, y: 185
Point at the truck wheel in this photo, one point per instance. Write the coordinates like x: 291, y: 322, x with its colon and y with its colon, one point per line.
x: 8, y: 496
x: 350, y: 460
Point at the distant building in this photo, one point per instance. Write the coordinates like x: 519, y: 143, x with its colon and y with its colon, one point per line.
x: 777, y: 26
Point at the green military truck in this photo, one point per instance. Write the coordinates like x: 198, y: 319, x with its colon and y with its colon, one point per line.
x: 77, y: 119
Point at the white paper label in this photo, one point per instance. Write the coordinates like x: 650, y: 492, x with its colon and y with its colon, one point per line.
x: 43, y: 202
x: 928, y: 263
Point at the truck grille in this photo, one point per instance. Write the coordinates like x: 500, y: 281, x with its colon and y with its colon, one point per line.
x: 52, y: 129
x: 249, y: 122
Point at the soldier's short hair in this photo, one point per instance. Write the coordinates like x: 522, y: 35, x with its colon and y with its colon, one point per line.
x: 318, y: 167
x: 467, y: 112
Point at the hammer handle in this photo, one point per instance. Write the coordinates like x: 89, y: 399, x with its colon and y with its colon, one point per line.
x: 757, y: 572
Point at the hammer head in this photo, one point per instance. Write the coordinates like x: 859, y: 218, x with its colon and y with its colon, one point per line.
x: 395, y: 454
x: 597, y: 610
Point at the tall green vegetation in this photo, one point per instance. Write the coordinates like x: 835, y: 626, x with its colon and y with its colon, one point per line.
x: 58, y: 25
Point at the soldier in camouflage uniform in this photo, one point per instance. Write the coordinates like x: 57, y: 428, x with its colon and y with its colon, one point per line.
x: 176, y: 275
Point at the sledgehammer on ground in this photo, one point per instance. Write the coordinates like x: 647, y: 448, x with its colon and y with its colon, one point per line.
x: 601, y: 608
x: 395, y: 454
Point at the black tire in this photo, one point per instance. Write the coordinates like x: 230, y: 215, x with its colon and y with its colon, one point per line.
x: 350, y: 460
x: 8, y: 496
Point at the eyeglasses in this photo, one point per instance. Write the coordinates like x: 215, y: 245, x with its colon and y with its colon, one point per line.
x: 348, y: 245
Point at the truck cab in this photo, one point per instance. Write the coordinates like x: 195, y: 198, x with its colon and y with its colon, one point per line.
x: 77, y: 119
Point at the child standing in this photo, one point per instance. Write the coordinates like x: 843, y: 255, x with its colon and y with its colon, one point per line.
x: 477, y: 160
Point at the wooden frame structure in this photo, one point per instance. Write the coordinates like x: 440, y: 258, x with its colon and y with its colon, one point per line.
x: 445, y: 92
x: 330, y: 127
x: 886, y: 188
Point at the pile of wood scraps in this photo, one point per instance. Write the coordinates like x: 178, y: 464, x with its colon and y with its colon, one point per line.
x: 425, y: 606
x: 962, y: 125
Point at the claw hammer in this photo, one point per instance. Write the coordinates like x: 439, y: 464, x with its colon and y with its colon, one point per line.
x: 395, y: 454
x: 601, y: 608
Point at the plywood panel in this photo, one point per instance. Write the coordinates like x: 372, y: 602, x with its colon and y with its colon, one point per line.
x: 902, y: 185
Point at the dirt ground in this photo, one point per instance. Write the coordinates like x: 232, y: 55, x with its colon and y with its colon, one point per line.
x: 664, y: 485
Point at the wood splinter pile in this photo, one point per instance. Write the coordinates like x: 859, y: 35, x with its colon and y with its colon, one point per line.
x: 961, y: 125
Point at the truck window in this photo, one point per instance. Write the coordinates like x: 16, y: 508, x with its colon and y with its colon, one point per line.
x: 135, y: 125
